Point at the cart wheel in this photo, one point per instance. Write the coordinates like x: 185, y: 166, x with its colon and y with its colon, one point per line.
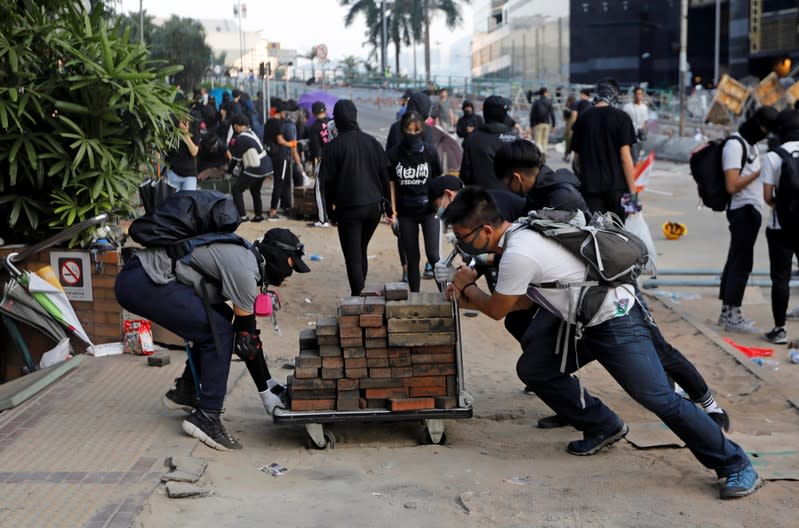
x: 426, y: 439
x: 319, y: 437
x: 330, y: 440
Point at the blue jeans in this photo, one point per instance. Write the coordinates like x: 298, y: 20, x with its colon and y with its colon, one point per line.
x: 177, y: 308
x: 623, y: 346
x: 181, y: 183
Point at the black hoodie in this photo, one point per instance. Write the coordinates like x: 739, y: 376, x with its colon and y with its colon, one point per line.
x: 354, y: 166
x: 558, y: 189
x: 421, y: 104
x: 479, y: 148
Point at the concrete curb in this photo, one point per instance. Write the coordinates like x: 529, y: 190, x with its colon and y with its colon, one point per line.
x: 759, y: 373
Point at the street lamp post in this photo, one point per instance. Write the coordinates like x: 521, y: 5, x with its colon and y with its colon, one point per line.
x: 384, y: 41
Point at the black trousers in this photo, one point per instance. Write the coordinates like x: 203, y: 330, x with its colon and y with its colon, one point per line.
x: 356, y: 225
x: 248, y: 183
x: 409, y: 243
x: 744, y: 226
x: 782, y: 246
x: 603, y: 202
x: 281, y: 182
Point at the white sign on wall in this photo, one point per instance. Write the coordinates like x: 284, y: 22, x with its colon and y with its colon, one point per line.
x: 74, y: 273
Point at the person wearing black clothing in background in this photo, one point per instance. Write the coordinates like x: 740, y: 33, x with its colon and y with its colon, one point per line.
x: 469, y: 121
x: 354, y: 170
x: 412, y: 165
x: 417, y: 102
x: 212, y: 160
x: 477, y: 167
x: 255, y: 166
x: 319, y: 135
x: 542, y: 119
x: 601, y: 140
x: 181, y: 162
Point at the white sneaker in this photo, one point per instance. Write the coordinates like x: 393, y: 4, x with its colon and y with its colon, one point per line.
x: 321, y: 224
x: 736, y: 322
x: 271, y: 401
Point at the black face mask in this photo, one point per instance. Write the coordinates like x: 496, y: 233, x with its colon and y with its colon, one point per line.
x: 751, y: 131
x: 412, y: 142
x: 276, y: 265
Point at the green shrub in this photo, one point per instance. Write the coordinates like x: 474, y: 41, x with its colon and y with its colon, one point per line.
x: 82, y: 112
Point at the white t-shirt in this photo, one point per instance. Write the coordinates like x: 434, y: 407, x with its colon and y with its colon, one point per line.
x: 731, y: 159
x: 639, y: 113
x: 771, y: 172
x: 528, y: 257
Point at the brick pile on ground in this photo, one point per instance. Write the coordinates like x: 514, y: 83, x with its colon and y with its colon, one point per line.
x: 304, y: 203
x: 388, y: 349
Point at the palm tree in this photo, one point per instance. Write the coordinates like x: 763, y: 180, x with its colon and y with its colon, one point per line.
x: 453, y: 17
x: 370, y: 9
x: 404, y: 25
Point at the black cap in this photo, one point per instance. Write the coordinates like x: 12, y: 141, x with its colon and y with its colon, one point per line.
x: 318, y: 107
x: 407, y: 95
x: 288, y: 242
x: 441, y: 184
x: 236, y: 93
x: 495, y: 108
x: 240, y: 119
x: 291, y: 105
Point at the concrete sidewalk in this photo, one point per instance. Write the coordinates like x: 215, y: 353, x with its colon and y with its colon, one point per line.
x: 89, y: 450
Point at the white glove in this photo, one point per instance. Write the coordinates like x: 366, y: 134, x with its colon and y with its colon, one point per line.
x: 443, y: 272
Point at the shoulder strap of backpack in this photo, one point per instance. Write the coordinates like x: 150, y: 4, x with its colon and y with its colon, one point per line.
x: 744, y: 157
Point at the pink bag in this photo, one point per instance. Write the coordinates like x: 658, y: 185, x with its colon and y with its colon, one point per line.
x: 263, y: 305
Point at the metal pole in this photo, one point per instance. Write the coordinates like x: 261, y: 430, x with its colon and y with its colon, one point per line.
x: 263, y: 98
x: 268, y: 92
x: 141, y: 21
x: 650, y: 284
x: 718, y: 39
x: 384, y: 48
x: 241, y: 39
x: 683, y: 60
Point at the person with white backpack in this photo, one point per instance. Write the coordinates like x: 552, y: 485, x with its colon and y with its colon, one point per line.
x: 250, y: 164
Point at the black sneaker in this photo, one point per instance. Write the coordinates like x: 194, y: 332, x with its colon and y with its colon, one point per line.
x: 182, y: 398
x: 591, y: 444
x: 552, y: 422
x: 777, y: 336
x: 207, y: 427
x: 257, y: 219
x: 722, y: 419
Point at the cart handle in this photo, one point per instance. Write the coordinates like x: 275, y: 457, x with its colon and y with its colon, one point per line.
x: 66, y: 234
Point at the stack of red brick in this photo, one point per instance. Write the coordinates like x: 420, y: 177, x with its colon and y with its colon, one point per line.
x: 392, y: 351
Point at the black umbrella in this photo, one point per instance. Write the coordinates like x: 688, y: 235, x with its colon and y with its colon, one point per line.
x: 154, y: 191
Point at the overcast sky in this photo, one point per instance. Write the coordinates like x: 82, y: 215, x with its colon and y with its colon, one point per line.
x: 296, y: 24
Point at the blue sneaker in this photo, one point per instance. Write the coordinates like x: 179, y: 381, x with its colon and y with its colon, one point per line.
x: 741, y: 483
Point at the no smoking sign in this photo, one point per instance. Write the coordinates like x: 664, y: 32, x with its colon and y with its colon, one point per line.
x: 74, y: 273
x: 70, y: 272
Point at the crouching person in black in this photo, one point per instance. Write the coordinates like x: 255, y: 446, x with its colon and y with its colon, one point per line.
x: 617, y: 336
x: 171, y: 294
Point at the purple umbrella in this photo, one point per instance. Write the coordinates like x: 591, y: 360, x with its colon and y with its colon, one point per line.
x: 307, y: 99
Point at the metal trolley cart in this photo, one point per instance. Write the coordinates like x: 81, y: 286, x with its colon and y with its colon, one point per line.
x: 433, y: 419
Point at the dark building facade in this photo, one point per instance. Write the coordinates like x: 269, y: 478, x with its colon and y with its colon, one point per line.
x: 638, y: 40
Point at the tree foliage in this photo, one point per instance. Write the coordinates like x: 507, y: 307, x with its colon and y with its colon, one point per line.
x: 82, y: 109
x: 182, y: 41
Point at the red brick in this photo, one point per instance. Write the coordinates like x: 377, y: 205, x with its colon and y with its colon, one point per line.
x: 376, y: 353
x: 350, y: 342
x: 313, y: 405
x: 396, y: 392
x: 110, y: 257
x: 371, y: 321
x: 316, y: 394
x: 348, y: 404
x: 375, y: 342
x: 398, y: 352
x: 310, y: 384
x: 411, y: 404
x: 356, y: 372
x: 379, y: 383
x: 306, y: 373
x: 374, y: 305
x: 353, y: 352
x: 379, y: 372
x: 433, y: 349
x: 376, y: 403
x: 401, y: 372
x: 350, y: 331
x: 362, y: 403
x: 332, y: 373
x: 307, y: 361
x: 427, y: 359
x: 372, y: 291
x: 418, y: 392
x: 106, y: 306
x: 376, y: 362
x: 333, y: 362
x: 347, y: 384
x: 399, y: 361
x: 100, y: 281
x: 425, y: 381
x: 351, y: 306
x: 371, y: 333
x: 326, y: 326
x: 348, y: 320
x: 355, y: 363
x: 396, y: 291
x: 434, y: 370
x: 452, y: 385
x: 327, y: 340
x: 329, y: 350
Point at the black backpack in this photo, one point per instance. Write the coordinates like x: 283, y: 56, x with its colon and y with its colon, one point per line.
x: 613, y: 256
x: 787, y: 197
x: 539, y: 113
x: 707, y: 170
x: 187, y: 220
